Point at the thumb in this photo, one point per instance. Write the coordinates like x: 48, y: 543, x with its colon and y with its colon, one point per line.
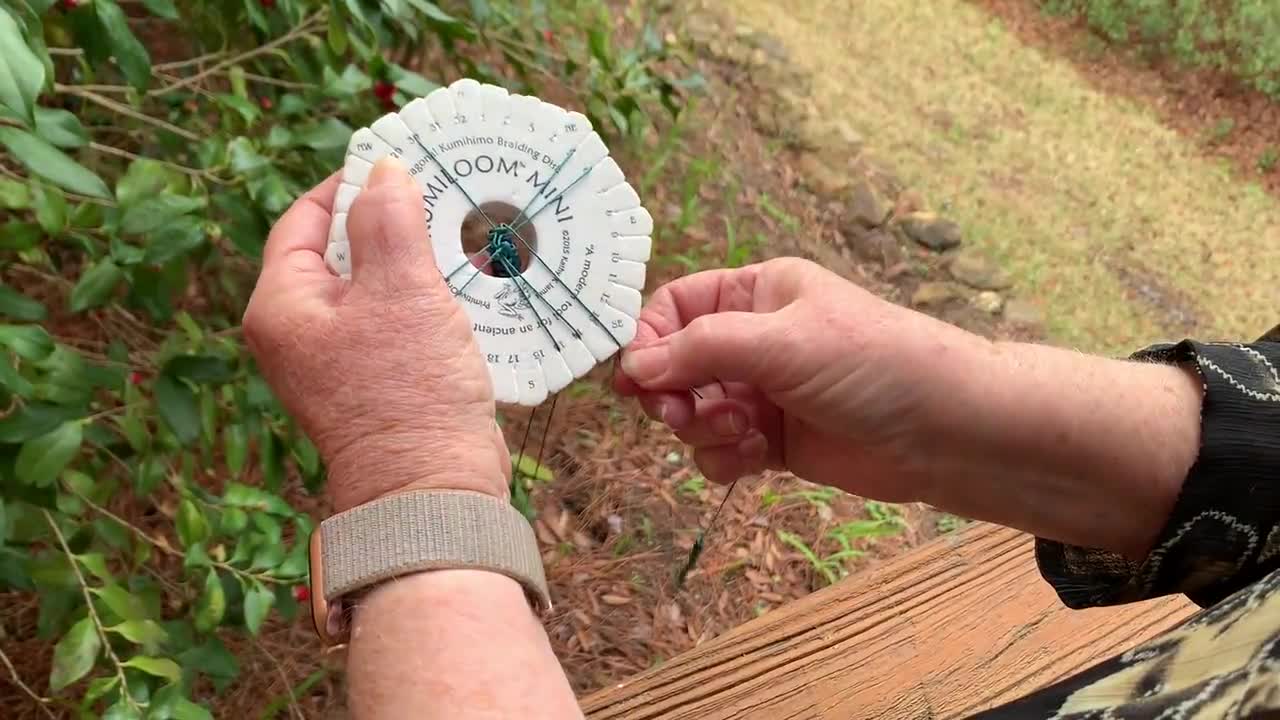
x: 390, y: 244
x: 721, y: 347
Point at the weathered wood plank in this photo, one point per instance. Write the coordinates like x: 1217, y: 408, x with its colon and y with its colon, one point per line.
x: 959, y: 625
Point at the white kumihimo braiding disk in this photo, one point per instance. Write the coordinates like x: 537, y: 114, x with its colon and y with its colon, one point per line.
x: 470, y: 145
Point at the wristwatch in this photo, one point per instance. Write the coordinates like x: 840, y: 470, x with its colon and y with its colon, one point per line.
x: 406, y: 533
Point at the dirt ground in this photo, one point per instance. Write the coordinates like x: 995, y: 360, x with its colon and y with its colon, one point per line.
x: 625, y: 503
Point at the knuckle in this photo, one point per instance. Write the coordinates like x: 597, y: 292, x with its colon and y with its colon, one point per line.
x: 789, y: 265
x: 701, y: 331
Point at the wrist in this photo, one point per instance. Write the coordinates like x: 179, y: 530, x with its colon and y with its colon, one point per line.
x: 1084, y: 450
x: 396, y: 462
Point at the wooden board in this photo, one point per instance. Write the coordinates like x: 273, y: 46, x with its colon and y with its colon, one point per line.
x: 959, y: 625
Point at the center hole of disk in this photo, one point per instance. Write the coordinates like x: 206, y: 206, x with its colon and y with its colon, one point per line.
x: 503, y: 248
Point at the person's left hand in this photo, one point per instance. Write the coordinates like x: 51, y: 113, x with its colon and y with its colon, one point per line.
x: 381, y: 371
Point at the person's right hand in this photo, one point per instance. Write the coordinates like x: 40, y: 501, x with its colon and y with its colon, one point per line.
x: 800, y: 369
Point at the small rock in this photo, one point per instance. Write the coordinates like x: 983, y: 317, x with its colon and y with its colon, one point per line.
x: 615, y: 600
x: 866, y: 209
x: 933, y: 293
x: 937, y: 234
x: 615, y: 524
x: 877, y: 246
x: 978, y: 271
x: 988, y: 302
x: 829, y: 135
x: 1023, y: 313
x: 820, y: 178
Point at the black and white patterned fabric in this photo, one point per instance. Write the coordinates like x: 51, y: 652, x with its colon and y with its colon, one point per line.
x: 1220, y: 548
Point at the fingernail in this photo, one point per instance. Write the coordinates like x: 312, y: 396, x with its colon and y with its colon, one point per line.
x: 387, y: 171
x: 729, y: 424
x: 646, y: 363
x: 664, y: 412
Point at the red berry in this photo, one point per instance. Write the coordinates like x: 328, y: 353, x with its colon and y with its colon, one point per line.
x: 266, y: 103
x: 384, y: 90
x: 546, y: 35
x: 69, y: 4
x: 301, y: 593
x: 136, y: 378
x: 268, y: 4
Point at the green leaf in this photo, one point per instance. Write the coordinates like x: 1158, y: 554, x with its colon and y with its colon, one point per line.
x: 178, y: 408
x: 75, y: 653
x: 60, y: 128
x: 50, y: 205
x: 150, y: 214
x: 247, y: 110
x: 52, y: 164
x: 327, y: 134
x: 21, y: 72
x: 12, y: 380
x: 67, y: 380
x: 267, y: 557
x: 235, y: 441
x: 19, y: 306
x: 95, y: 286
x: 124, y: 604
x: 144, y: 179
x: 130, y: 55
x: 96, y: 564
x: 14, y: 195
x: 175, y: 240
x: 306, y: 456
x: 42, y: 459
x: 159, y: 667
x: 192, y: 525
x: 279, y: 137
x: 245, y: 158
x: 147, y: 633
x: 161, y: 8
x: 211, y: 605
x: 270, y: 460
x: 122, y: 710
x: 31, y: 342
x: 97, y: 688
x: 433, y: 11
x: 256, y: 14
x: 184, y: 709
x: 257, y: 603
x: 20, y: 236
x: 252, y: 498
x: 411, y: 82
x: 200, y: 368
x: 529, y: 467
x: 212, y: 659
x: 197, y: 557
x: 337, y: 34
x: 34, y: 420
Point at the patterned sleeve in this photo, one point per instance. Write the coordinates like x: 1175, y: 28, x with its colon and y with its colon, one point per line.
x: 1224, y: 531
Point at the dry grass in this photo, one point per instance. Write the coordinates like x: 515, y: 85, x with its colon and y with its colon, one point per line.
x: 1113, y: 221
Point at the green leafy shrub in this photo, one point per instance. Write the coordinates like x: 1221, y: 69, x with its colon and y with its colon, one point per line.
x: 146, y: 470
x: 1241, y: 37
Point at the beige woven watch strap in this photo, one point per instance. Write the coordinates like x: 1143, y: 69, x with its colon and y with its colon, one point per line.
x: 430, y: 530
